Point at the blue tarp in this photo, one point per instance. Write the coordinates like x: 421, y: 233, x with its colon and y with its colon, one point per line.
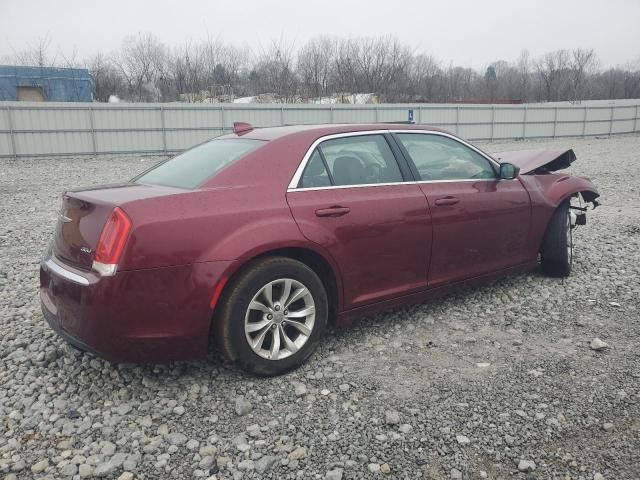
x: 58, y: 84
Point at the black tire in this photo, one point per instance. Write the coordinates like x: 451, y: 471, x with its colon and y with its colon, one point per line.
x: 557, y: 246
x: 229, y: 319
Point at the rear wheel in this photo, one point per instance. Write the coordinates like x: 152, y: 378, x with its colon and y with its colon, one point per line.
x: 557, y: 246
x: 272, y: 317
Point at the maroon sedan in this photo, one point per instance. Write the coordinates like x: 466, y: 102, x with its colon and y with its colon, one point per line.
x: 257, y: 239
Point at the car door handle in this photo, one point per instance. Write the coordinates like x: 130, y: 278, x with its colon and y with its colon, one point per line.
x: 446, y: 201
x: 335, y: 211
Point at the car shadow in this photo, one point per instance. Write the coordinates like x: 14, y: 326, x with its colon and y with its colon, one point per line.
x: 337, y: 338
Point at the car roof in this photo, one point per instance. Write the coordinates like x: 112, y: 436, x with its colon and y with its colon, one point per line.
x: 321, y: 130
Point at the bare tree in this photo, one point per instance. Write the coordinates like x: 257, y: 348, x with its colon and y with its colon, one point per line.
x: 552, y: 69
x: 424, y: 74
x: 233, y: 61
x: 459, y: 82
x: 397, y: 72
x: 491, y: 80
x: 38, y: 53
x: 345, y: 67
x: 142, y: 62
x: 145, y: 69
x: 583, y: 62
x: 631, y: 80
x: 382, y: 63
x: 315, y: 62
x: 106, y: 78
x: 523, y: 67
x: 187, y: 69
x: 276, y: 73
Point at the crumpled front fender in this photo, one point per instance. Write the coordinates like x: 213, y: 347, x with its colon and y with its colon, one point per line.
x: 566, y: 186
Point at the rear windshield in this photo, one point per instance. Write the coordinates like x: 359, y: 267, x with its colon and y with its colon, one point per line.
x: 191, y: 168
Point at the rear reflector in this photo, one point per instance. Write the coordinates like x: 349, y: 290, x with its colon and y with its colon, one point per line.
x: 111, y: 243
x: 217, y: 291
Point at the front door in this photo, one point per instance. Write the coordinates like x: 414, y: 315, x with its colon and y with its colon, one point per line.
x: 480, y: 223
x: 353, y: 200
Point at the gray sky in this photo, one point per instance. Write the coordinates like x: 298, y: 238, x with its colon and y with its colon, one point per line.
x: 467, y: 32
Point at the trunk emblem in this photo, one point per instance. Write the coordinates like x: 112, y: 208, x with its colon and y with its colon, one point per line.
x: 63, y: 218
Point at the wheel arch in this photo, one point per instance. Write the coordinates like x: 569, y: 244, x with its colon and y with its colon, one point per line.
x: 562, y: 189
x: 588, y: 196
x: 567, y: 187
x: 319, y: 263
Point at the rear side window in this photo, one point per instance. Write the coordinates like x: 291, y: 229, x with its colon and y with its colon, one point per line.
x: 315, y: 173
x: 441, y: 158
x: 192, y: 168
x: 354, y: 160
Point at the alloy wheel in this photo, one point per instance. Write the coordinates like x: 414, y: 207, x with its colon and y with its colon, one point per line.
x: 570, y: 227
x: 279, y: 319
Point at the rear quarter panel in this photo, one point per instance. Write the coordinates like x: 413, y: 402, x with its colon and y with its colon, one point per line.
x: 207, y: 225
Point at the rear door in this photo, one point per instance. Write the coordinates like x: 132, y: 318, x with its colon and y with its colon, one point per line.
x: 354, y: 200
x: 480, y: 223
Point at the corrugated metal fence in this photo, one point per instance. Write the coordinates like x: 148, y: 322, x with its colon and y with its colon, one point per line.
x: 54, y: 129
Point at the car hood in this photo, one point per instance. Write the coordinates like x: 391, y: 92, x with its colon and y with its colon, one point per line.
x: 549, y: 159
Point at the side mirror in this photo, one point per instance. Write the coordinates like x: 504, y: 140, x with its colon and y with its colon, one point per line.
x: 508, y: 171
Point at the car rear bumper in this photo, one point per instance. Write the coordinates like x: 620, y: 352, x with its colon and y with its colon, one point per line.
x: 53, y: 322
x: 151, y: 315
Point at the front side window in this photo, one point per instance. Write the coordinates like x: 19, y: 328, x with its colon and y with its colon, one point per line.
x: 353, y: 160
x: 442, y: 158
x: 192, y: 168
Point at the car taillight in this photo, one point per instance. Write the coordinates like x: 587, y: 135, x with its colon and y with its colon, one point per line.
x: 111, y: 243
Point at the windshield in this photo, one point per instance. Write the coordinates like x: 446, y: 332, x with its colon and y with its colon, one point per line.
x: 190, y: 169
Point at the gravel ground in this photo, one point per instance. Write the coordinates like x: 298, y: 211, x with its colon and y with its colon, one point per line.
x: 495, y: 382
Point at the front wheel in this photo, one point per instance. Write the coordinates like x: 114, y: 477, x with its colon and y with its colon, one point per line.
x: 272, y: 317
x: 557, y: 246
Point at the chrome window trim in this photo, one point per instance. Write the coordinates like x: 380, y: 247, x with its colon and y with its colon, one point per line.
x: 293, y: 184
x: 410, y: 182
x: 59, y: 270
x: 458, y: 180
x: 360, y: 185
x: 459, y: 140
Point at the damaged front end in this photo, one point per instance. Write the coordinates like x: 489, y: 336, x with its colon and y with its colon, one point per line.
x: 539, y: 167
x: 539, y: 161
x: 579, y: 214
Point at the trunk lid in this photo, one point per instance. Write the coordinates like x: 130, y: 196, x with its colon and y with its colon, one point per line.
x: 546, y: 159
x: 84, y: 213
x: 79, y: 226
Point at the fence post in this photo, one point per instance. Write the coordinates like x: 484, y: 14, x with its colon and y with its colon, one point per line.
x: 222, y: 119
x: 375, y: 113
x: 493, y: 117
x: 524, y: 122
x: 331, y: 113
x: 555, y: 121
x: 164, y: 130
x: 611, y: 120
x: 92, y: 125
x: 584, y: 122
x: 635, y: 121
x: 282, y: 115
x: 12, y: 133
x: 457, y: 119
